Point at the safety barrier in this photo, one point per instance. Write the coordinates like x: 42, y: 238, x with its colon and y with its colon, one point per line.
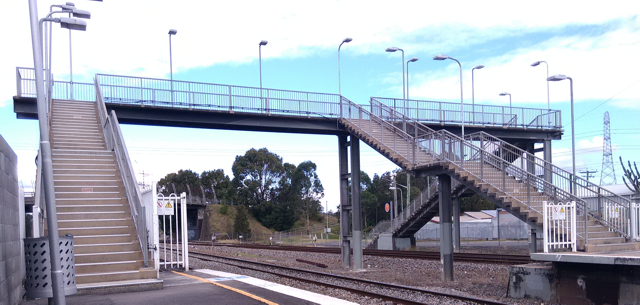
x: 559, y: 226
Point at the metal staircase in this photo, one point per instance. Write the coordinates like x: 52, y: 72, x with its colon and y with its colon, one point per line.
x: 91, y: 199
x: 487, y: 170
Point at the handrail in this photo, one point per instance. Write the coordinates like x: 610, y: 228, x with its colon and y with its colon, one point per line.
x: 582, y: 188
x: 115, y: 142
x: 441, y: 112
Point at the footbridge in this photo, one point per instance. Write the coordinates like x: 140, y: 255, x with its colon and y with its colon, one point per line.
x: 496, y: 158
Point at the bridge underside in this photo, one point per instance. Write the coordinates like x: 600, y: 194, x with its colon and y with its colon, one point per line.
x: 25, y: 108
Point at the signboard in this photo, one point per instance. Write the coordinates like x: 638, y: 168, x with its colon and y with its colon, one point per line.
x: 327, y: 230
x: 387, y: 207
x: 165, y: 206
x: 558, y: 213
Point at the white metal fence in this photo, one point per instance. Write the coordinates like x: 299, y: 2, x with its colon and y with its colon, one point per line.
x: 175, y: 247
x: 559, y: 226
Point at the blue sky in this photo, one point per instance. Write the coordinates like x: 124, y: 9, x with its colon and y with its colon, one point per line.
x: 218, y: 42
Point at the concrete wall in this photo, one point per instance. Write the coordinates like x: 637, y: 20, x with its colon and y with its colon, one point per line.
x: 11, y: 262
x: 510, y: 228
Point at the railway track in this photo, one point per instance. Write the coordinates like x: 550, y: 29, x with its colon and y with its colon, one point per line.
x: 356, y: 285
x: 462, y: 257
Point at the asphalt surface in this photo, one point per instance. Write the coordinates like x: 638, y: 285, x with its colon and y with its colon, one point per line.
x: 182, y: 290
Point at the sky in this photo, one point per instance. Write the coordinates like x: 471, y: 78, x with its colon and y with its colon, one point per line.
x: 217, y: 42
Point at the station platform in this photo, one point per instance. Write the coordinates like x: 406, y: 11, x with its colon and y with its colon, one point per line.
x: 627, y: 258
x: 204, y: 286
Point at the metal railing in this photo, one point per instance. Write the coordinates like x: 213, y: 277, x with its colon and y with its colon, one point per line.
x: 434, y: 112
x: 115, y: 142
x: 194, y: 95
x: 26, y: 87
x: 597, y: 199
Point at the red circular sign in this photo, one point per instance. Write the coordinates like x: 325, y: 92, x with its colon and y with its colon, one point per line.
x: 387, y: 207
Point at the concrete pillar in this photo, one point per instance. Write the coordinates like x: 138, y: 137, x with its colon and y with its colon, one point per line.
x: 456, y: 224
x: 345, y: 206
x: 355, y: 203
x: 546, y: 149
x: 446, y: 245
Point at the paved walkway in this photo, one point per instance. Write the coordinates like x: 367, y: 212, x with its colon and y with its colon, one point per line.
x: 204, y: 286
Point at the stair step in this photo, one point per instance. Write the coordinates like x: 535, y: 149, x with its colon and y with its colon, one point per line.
x: 113, y: 266
x: 107, y: 247
x: 147, y: 273
x: 605, y: 240
x: 612, y: 247
x: 87, y: 182
x: 91, y: 208
x: 104, y: 239
x: 108, y: 256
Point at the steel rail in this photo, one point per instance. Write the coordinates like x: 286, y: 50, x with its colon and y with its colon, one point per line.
x: 340, y: 277
x: 464, y: 257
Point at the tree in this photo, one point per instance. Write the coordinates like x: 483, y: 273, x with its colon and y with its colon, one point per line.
x: 256, y: 175
x: 180, y: 180
x: 282, y: 212
x: 311, y: 189
x: 634, y: 178
x: 241, y: 223
x: 216, y: 182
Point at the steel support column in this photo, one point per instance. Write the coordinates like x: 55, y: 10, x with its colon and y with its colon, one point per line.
x: 446, y: 246
x: 456, y: 224
x: 533, y: 239
x: 531, y: 168
x: 547, y: 157
x: 355, y: 203
x: 345, y: 207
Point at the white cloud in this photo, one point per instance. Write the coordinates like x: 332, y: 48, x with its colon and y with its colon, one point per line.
x: 596, y: 142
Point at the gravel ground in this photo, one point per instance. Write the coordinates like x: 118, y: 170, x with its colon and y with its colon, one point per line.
x: 473, y: 279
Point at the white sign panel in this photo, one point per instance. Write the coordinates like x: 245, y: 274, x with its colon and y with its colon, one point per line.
x: 559, y: 213
x: 165, y: 206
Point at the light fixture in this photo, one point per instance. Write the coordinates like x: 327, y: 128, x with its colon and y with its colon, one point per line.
x: 173, y: 32
x: 440, y: 57
x: 263, y: 42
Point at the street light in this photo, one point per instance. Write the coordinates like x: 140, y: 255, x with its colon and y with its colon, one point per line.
x: 401, y: 195
x: 509, y: 94
x: 394, y: 49
x: 346, y: 40
x: 473, y: 98
x: 535, y: 64
x: 262, y: 43
x: 443, y: 57
x: 410, y: 60
x: 171, y: 33
x: 559, y: 77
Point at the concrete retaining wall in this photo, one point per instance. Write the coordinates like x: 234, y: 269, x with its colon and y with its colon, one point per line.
x: 11, y: 261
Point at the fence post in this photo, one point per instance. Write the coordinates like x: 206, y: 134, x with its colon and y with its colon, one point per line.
x: 545, y: 219
x: 230, y: 103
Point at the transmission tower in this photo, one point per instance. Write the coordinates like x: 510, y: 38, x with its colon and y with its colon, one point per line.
x: 608, y: 173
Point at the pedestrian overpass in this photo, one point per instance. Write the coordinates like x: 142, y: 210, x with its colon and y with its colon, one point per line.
x: 496, y: 158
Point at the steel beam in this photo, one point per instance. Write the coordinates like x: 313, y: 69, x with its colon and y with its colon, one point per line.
x: 547, y: 157
x: 446, y: 245
x: 355, y: 203
x: 345, y: 207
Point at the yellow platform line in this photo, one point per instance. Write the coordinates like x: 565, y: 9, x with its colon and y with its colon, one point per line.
x: 255, y: 297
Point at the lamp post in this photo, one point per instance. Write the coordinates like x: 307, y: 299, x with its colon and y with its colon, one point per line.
x: 473, y: 98
x: 262, y: 43
x: 171, y: 33
x: 410, y: 60
x: 57, y: 281
x: 394, y: 49
x: 393, y: 188
x: 346, y: 40
x: 509, y: 94
x: 443, y: 57
x: 535, y: 64
x: 559, y: 77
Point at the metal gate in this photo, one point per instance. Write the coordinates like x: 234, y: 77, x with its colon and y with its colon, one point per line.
x: 559, y: 226
x: 170, y: 239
